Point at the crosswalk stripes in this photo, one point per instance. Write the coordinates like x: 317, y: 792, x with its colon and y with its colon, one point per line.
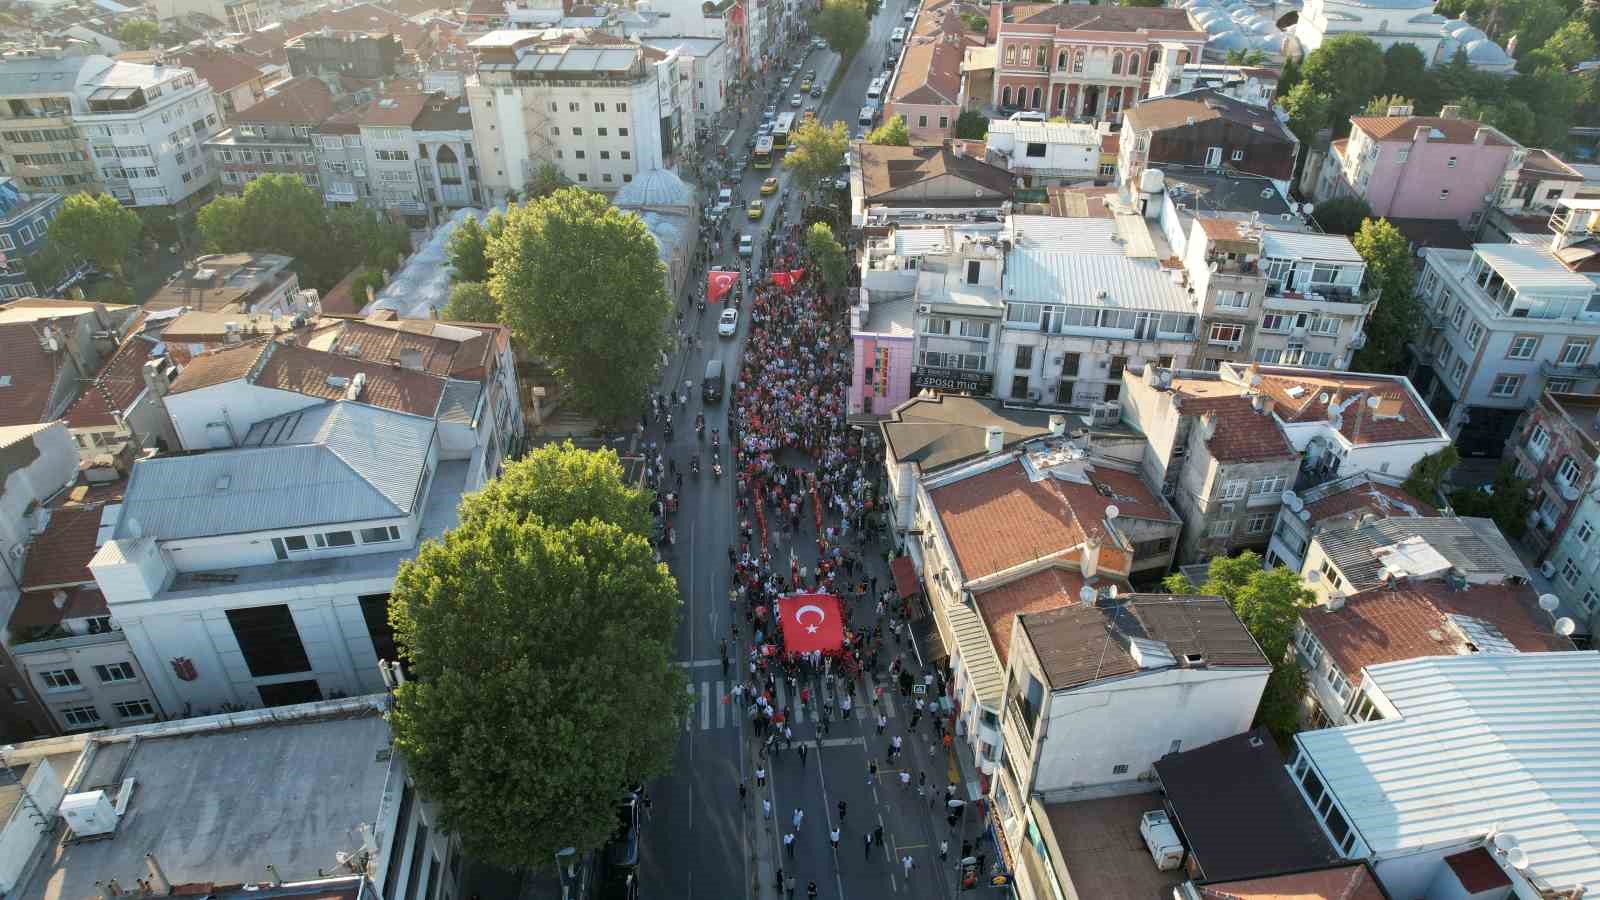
x: 711, y: 707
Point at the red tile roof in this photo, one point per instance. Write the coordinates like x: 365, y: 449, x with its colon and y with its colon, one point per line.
x: 1043, y: 590
x: 1363, y: 497
x: 1380, y: 625
x: 382, y: 341
x: 1103, y: 18
x: 1398, y: 416
x: 298, y: 101
x: 228, y: 364
x: 115, y: 388
x: 60, y: 556
x: 223, y: 71
x: 1403, y: 128
x: 32, y: 370
x: 1242, y: 434
x: 37, y: 609
x: 1353, y: 882
x: 306, y: 371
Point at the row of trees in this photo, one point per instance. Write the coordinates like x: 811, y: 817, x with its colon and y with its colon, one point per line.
x: 545, y: 604
x: 579, y: 283
x: 843, y: 24
x: 281, y: 214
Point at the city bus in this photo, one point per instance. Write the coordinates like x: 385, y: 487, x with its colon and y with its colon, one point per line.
x: 781, y: 131
x: 763, y: 154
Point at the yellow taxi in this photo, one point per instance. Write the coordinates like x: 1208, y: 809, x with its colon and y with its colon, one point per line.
x: 757, y: 207
x: 805, y: 86
x: 770, y: 186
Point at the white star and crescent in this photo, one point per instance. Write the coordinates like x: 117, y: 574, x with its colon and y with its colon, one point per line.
x: 799, y: 617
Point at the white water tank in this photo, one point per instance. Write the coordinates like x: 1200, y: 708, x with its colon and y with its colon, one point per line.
x: 1151, y: 181
x: 89, y: 813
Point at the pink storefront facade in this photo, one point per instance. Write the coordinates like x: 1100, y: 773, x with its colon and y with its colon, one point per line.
x: 882, y: 373
x: 1047, y: 62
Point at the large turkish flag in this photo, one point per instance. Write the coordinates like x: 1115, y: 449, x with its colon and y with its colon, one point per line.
x: 811, y: 622
x: 718, y: 283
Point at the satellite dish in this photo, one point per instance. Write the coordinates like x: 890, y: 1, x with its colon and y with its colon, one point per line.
x: 1505, y: 841
x: 1307, y: 208
x: 1323, y: 398
x: 1518, y: 858
x: 1112, y: 512
x: 1288, y: 498
x: 1565, y: 626
x: 1549, y: 602
x: 1087, y: 594
x: 1304, y: 514
x: 1373, y: 401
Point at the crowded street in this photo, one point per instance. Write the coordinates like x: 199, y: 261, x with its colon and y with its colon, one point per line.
x: 811, y: 763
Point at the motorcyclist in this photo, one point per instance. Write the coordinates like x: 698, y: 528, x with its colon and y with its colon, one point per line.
x: 694, y: 464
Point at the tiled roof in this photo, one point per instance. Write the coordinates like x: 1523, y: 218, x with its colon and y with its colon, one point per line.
x: 223, y: 71
x: 930, y: 71
x: 1402, y: 128
x: 1045, y: 589
x: 298, y: 101
x: 1352, y: 882
x: 885, y: 169
x: 228, y: 364
x: 1548, y: 167
x: 1382, y: 625
x: 1398, y: 416
x: 60, y: 556
x: 37, y: 609
x: 1242, y: 434
x: 998, y: 519
x: 1103, y: 18
x: 1358, y: 494
x: 29, y: 371
x: 302, y: 370
x: 383, y: 344
x: 1086, y: 642
x: 1184, y: 110
x: 116, y: 387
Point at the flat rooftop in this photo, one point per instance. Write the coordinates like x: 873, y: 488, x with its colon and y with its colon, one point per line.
x: 218, y: 806
x: 1102, y: 851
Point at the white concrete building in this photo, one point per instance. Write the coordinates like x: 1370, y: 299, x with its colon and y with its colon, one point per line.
x: 598, y: 107
x: 711, y: 67
x: 1256, y: 85
x: 1046, y: 153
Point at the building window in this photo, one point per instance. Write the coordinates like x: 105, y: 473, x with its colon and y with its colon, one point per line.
x: 627, y: 154
x: 336, y: 539
x: 579, y: 154
x: 601, y: 131
x: 605, y: 154
x: 1233, y: 299
x: 922, y: 121
x: 1233, y: 490
x: 1589, y: 602
x: 1506, y: 385
x: 134, y: 709
x: 1559, y: 385
x: 1236, y: 155
x: 1574, y: 352
x: 80, y: 716
x: 1585, y: 532
x: 1568, y: 472
x: 1228, y: 335
x: 1121, y: 769
x: 944, y: 121
x: 599, y: 107
x: 113, y: 672
x: 60, y: 679
x: 622, y: 107
x: 1523, y: 346
x: 583, y: 176
x: 1255, y: 523
x: 1272, y: 484
x: 1444, y: 193
x: 1474, y: 335
x: 572, y: 106
x: 380, y: 534
x: 1570, y: 573
x: 577, y: 132
x: 269, y: 640
x: 1450, y: 163
x: 622, y: 132
x: 1220, y: 529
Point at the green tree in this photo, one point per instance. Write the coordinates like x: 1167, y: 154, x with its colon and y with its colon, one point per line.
x: 1506, y: 500
x: 975, y: 23
x: 1572, y: 43
x: 1381, y: 104
x: 1426, y: 479
x: 1268, y: 602
x: 221, y: 224
x: 580, y: 284
x: 47, y: 267
x: 1551, y: 94
x: 1288, y: 76
x: 1395, y: 319
x: 816, y: 151
x: 1512, y: 116
x: 827, y: 255
x: 1308, y: 110
x: 972, y: 125
x: 376, y: 241
x: 139, y: 34
x: 1348, y: 69
x: 367, y: 283
x: 892, y: 133
x: 1405, y: 72
x: 466, y: 249
x: 542, y: 651
x: 95, y: 227
x: 1341, y: 215
x: 843, y: 24
x: 1250, y: 57
x: 470, y: 301
x: 547, y: 179
x: 1537, y: 22
x: 560, y: 484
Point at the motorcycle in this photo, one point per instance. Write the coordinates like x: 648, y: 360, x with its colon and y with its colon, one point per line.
x: 716, y: 469
x: 700, y: 429
x: 694, y: 465
x: 716, y: 441
x: 667, y: 431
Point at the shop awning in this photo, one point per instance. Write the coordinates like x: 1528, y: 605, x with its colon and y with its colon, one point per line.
x: 905, y: 576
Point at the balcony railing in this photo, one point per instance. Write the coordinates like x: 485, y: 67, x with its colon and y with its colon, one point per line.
x: 1557, y: 370
x: 1325, y: 293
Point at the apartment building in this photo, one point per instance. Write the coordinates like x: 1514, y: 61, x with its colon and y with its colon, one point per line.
x: 1085, y: 299
x: 1503, y: 323
x: 928, y: 86
x: 24, y: 230
x: 1422, y: 167
x: 1571, y: 564
x: 926, y: 183
x: 1210, y: 129
x: 273, y: 137
x: 238, y: 82
x: 41, y: 95
x: 240, y: 16
x: 1541, y: 182
x: 1556, y: 447
x: 366, y: 55
x: 1382, y: 552
x: 1338, y: 503
x: 600, y: 108
x: 52, y: 348
x: 1046, y: 154
x: 1071, y: 526
x: 1073, y: 60
x: 147, y: 126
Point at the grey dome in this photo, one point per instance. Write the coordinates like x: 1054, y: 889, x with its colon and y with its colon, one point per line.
x: 1229, y: 40
x: 1208, y: 16
x: 1464, y: 32
x: 1486, y: 52
x: 1447, y: 50
x: 657, y: 187
x: 1263, y: 28
x: 1272, y: 43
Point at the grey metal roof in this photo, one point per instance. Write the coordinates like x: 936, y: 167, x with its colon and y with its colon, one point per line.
x: 459, y: 402
x: 945, y: 429
x: 1532, y: 268
x: 1060, y: 234
x: 1078, y: 279
x: 1300, y: 245
x: 330, y: 463
x: 657, y: 187
x: 1475, y: 546
x: 24, y: 76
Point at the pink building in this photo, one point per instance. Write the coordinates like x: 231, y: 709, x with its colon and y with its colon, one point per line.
x: 1421, y: 167
x: 881, y: 337
x: 1089, y: 61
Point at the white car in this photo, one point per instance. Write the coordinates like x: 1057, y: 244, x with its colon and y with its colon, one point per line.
x: 724, y: 199
x: 820, y: 44
x: 747, y: 245
x: 796, y: 101
x: 728, y: 324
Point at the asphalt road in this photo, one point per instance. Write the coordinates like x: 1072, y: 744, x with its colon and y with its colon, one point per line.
x: 698, y: 841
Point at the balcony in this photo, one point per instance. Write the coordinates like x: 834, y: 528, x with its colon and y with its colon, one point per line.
x: 1568, y: 491
x: 1359, y: 341
x: 1315, y: 298
x: 1557, y: 370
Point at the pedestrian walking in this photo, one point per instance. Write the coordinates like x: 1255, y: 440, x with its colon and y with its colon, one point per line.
x: 907, y: 863
x: 905, y: 779
x: 833, y: 838
x: 872, y: 770
x: 742, y: 792
x: 788, y: 886
x: 799, y: 816
x: 766, y: 809
x: 802, y: 754
x: 761, y: 777
x: 944, y: 849
x: 842, y: 807
x: 811, y: 890
x: 788, y: 843
x: 867, y: 850
x: 877, y: 835
x: 883, y: 722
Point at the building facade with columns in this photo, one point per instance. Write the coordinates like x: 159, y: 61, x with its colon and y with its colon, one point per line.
x: 1092, y: 62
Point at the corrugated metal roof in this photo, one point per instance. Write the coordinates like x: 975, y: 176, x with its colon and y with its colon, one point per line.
x: 919, y: 241
x: 977, y: 654
x: 1054, y: 233
x: 1473, y: 545
x: 1047, y: 132
x: 1296, y: 245
x: 459, y: 402
x: 1532, y: 268
x: 331, y: 463
x: 1483, y: 743
x: 1077, y: 278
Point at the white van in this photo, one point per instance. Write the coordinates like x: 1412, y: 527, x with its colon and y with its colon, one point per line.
x: 876, y: 88
x: 868, y: 112
x: 898, y: 37
x: 911, y: 15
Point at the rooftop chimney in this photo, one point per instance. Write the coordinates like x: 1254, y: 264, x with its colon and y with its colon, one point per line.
x: 1058, y: 425
x: 1450, y: 111
x: 958, y: 148
x: 994, y: 439
x: 1208, y: 425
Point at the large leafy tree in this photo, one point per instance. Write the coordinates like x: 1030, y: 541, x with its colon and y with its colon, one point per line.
x: 540, y: 639
x: 1572, y: 43
x: 470, y: 301
x: 827, y: 254
x: 1341, y: 215
x: 972, y: 125
x: 97, y: 228
x: 816, y: 151
x: 138, y: 34
x: 1268, y: 602
x: 843, y: 24
x: 1396, y: 317
x: 1308, y: 110
x: 892, y: 133
x: 581, y: 284
x: 467, y: 251
x: 1348, y: 69
x: 1405, y: 72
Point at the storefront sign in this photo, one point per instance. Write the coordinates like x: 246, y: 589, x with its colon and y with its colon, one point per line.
x: 952, y: 380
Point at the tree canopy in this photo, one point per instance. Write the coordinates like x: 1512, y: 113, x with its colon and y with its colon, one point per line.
x: 843, y: 24
x: 540, y: 637
x: 1348, y: 69
x: 1341, y: 215
x: 972, y: 125
x: 138, y: 34
x: 470, y: 301
x: 467, y: 249
x: 581, y: 284
x: 1395, y: 319
x: 1268, y: 602
x: 892, y: 133
x: 95, y: 227
x: 1250, y: 57
x: 827, y: 255
x: 816, y: 151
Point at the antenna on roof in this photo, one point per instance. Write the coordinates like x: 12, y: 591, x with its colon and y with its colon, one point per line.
x: 1549, y: 602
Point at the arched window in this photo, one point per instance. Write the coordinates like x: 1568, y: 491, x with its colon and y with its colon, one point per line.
x: 1133, y: 64
x: 1061, y: 61
x: 1116, y: 63
x: 1077, y: 61
x: 1005, y: 97
x: 1037, y: 94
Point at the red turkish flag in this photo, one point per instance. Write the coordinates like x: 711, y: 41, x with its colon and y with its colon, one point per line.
x: 797, y: 275
x: 811, y: 622
x: 718, y: 284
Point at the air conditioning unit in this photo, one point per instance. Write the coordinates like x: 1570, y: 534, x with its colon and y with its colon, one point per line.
x: 1547, y: 569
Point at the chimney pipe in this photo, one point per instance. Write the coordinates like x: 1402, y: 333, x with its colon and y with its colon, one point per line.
x: 994, y: 439
x: 158, y: 878
x: 277, y: 880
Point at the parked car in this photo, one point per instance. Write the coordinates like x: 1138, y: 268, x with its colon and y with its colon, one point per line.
x: 816, y: 90
x: 1161, y: 839
x: 728, y: 323
x: 820, y: 44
